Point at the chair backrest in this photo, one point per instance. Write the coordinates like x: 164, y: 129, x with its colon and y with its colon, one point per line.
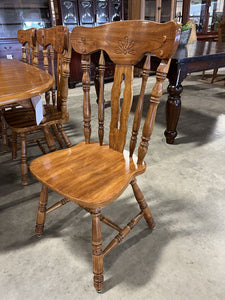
x: 30, y: 47
x: 193, y: 35
x: 221, y: 31
x: 125, y: 42
x: 56, y: 60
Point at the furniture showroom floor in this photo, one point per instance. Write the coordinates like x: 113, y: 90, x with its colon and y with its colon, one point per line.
x: 183, y: 258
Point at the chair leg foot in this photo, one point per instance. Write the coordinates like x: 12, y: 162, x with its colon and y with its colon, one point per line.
x: 143, y: 205
x: 41, y: 214
x: 97, y: 255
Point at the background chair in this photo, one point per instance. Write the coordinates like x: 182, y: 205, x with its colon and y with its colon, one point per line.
x: 94, y: 174
x: 30, y: 51
x: 193, y: 36
x: 221, y: 38
x: 22, y: 120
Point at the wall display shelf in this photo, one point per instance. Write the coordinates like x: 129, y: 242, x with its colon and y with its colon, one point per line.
x: 18, y: 14
x: 23, y: 14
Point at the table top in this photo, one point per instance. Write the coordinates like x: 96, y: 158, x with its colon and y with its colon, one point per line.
x: 20, y: 81
x: 199, y: 49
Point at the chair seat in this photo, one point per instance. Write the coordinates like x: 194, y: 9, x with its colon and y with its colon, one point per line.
x: 87, y: 174
x: 23, y: 119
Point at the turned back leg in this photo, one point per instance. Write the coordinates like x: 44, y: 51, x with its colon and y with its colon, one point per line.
x: 142, y: 204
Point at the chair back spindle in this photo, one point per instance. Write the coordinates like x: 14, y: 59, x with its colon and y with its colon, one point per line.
x: 101, y: 70
x: 85, y: 65
x: 157, y: 90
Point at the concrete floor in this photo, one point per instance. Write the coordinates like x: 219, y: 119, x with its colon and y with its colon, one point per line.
x: 183, y: 258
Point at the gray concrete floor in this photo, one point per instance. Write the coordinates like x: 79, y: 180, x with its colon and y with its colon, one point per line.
x: 183, y: 258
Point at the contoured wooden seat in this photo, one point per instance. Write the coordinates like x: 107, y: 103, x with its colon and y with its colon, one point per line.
x: 94, y: 174
x: 22, y: 120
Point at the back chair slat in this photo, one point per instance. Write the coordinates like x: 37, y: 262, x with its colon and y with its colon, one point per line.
x: 30, y: 47
x: 55, y: 42
x: 118, y: 125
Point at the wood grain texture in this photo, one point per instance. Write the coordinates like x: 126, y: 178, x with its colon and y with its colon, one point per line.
x: 30, y: 47
x: 101, y: 174
x: 119, y: 119
x: 122, y: 40
x: 93, y: 174
x: 21, y: 81
x: 56, y: 36
x: 101, y: 104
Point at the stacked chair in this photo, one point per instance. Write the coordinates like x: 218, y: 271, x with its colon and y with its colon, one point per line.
x: 94, y: 174
x: 21, y: 120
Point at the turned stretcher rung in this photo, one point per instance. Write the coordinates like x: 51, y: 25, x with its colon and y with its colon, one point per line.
x: 122, y: 234
x: 110, y: 223
x: 106, y: 221
x: 57, y: 205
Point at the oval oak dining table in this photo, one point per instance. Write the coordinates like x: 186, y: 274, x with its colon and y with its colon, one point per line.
x: 20, y: 81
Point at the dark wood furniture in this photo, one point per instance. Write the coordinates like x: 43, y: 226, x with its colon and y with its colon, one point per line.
x: 17, y: 14
x: 197, y: 56
x: 90, y: 13
x: 22, y: 120
x: 94, y: 174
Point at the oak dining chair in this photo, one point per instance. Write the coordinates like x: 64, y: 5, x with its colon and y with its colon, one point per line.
x: 94, y: 174
x: 221, y: 39
x: 22, y: 121
x: 30, y: 51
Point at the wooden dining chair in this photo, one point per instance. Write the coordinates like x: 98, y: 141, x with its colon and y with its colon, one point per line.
x: 30, y: 51
x: 94, y: 174
x: 22, y: 120
x: 221, y: 39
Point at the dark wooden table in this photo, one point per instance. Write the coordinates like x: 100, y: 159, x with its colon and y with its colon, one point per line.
x: 198, y: 56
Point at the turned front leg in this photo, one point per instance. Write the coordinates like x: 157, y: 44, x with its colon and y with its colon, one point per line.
x: 97, y: 255
x: 173, y: 107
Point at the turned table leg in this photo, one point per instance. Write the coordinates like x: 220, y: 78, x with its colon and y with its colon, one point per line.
x: 173, y: 107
